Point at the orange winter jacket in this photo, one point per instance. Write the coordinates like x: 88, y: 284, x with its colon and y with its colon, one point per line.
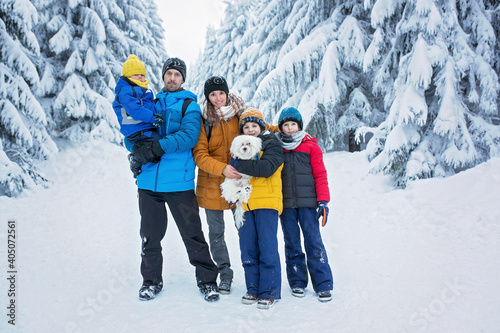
x: 211, y: 159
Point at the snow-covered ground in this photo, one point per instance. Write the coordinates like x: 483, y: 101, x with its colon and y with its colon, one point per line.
x: 423, y: 259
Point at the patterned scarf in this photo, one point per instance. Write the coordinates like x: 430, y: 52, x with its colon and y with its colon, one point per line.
x: 226, y: 112
x: 290, y: 142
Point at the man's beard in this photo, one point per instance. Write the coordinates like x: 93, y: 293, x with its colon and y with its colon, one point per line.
x: 173, y: 87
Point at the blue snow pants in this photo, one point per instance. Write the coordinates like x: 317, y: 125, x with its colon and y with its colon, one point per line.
x: 259, y: 253
x: 317, y: 260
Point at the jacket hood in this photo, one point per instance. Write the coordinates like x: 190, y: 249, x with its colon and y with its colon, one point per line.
x: 309, y: 138
x: 123, y: 82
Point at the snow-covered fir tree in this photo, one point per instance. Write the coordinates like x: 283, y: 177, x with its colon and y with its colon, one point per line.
x: 87, y: 43
x: 421, y: 77
x: 225, y: 46
x: 59, y: 62
x: 23, y: 135
x: 437, y: 79
x: 303, y: 53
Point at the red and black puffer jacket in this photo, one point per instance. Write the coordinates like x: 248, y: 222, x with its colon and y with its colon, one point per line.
x: 304, y: 176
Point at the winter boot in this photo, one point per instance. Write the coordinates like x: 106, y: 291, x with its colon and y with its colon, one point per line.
x: 210, y: 292
x: 266, y: 303
x: 324, y: 295
x: 225, y: 287
x: 149, y: 291
x: 298, y: 292
x: 249, y: 299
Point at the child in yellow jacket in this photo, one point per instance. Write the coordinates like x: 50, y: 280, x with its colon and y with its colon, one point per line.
x: 258, y: 235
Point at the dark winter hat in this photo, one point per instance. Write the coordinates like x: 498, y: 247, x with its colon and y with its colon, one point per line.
x: 174, y: 63
x: 215, y: 83
x: 290, y: 114
x: 252, y: 115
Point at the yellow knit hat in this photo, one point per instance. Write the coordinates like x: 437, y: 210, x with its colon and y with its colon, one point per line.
x: 133, y: 66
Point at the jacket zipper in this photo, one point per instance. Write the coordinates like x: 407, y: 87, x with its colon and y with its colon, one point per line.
x: 294, y: 183
x: 156, y: 176
x: 164, y: 113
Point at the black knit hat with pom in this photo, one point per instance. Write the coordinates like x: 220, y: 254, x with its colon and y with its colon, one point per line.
x: 215, y: 83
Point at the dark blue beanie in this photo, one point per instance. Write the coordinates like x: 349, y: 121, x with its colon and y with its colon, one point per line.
x: 290, y: 114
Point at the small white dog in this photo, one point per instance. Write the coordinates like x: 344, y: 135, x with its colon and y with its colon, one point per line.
x: 243, y: 147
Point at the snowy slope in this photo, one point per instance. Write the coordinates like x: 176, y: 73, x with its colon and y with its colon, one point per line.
x: 424, y: 259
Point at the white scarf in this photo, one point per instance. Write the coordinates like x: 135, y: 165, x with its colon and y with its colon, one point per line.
x: 226, y: 112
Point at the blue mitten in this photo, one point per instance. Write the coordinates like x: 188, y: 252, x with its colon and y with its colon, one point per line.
x: 234, y: 162
x: 322, y: 212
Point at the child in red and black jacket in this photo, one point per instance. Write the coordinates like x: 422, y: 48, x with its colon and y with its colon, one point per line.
x: 305, y: 200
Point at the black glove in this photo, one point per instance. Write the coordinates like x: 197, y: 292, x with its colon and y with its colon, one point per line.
x: 323, y: 212
x: 158, y: 121
x: 147, y: 152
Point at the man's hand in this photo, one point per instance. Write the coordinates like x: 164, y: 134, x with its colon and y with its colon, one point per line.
x: 147, y: 152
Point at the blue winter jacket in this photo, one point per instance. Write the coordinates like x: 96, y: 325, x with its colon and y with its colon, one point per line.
x: 134, y: 107
x: 175, y: 171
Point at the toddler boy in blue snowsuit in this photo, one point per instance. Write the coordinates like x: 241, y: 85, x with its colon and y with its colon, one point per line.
x: 305, y: 200
x: 135, y: 109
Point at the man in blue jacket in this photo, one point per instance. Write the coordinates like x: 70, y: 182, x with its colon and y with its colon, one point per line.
x: 171, y: 181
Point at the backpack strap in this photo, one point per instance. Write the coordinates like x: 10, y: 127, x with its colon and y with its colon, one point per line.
x: 134, y: 94
x: 208, y: 128
x: 185, y: 105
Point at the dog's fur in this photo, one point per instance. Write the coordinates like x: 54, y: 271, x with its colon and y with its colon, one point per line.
x: 243, y: 147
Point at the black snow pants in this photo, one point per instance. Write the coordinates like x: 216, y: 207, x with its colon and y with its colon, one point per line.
x: 185, y: 211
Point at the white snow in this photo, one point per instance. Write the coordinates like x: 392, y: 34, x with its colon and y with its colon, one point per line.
x: 423, y: 259
x: 420, y: 67
x: 61, y: 41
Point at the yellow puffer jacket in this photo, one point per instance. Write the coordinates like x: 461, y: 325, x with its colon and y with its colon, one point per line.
x: 211, y: 159
x: 266, y: 175
x: 266, y: 193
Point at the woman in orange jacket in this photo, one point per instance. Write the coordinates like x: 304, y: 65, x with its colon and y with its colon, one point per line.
x: 211, y: 155
x: 221, y: 113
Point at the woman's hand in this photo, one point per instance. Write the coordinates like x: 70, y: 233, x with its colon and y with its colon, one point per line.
x: 230, y: 172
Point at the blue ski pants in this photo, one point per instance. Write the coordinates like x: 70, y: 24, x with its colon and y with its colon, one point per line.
x: 259, y: 253
x: 292, y: 221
